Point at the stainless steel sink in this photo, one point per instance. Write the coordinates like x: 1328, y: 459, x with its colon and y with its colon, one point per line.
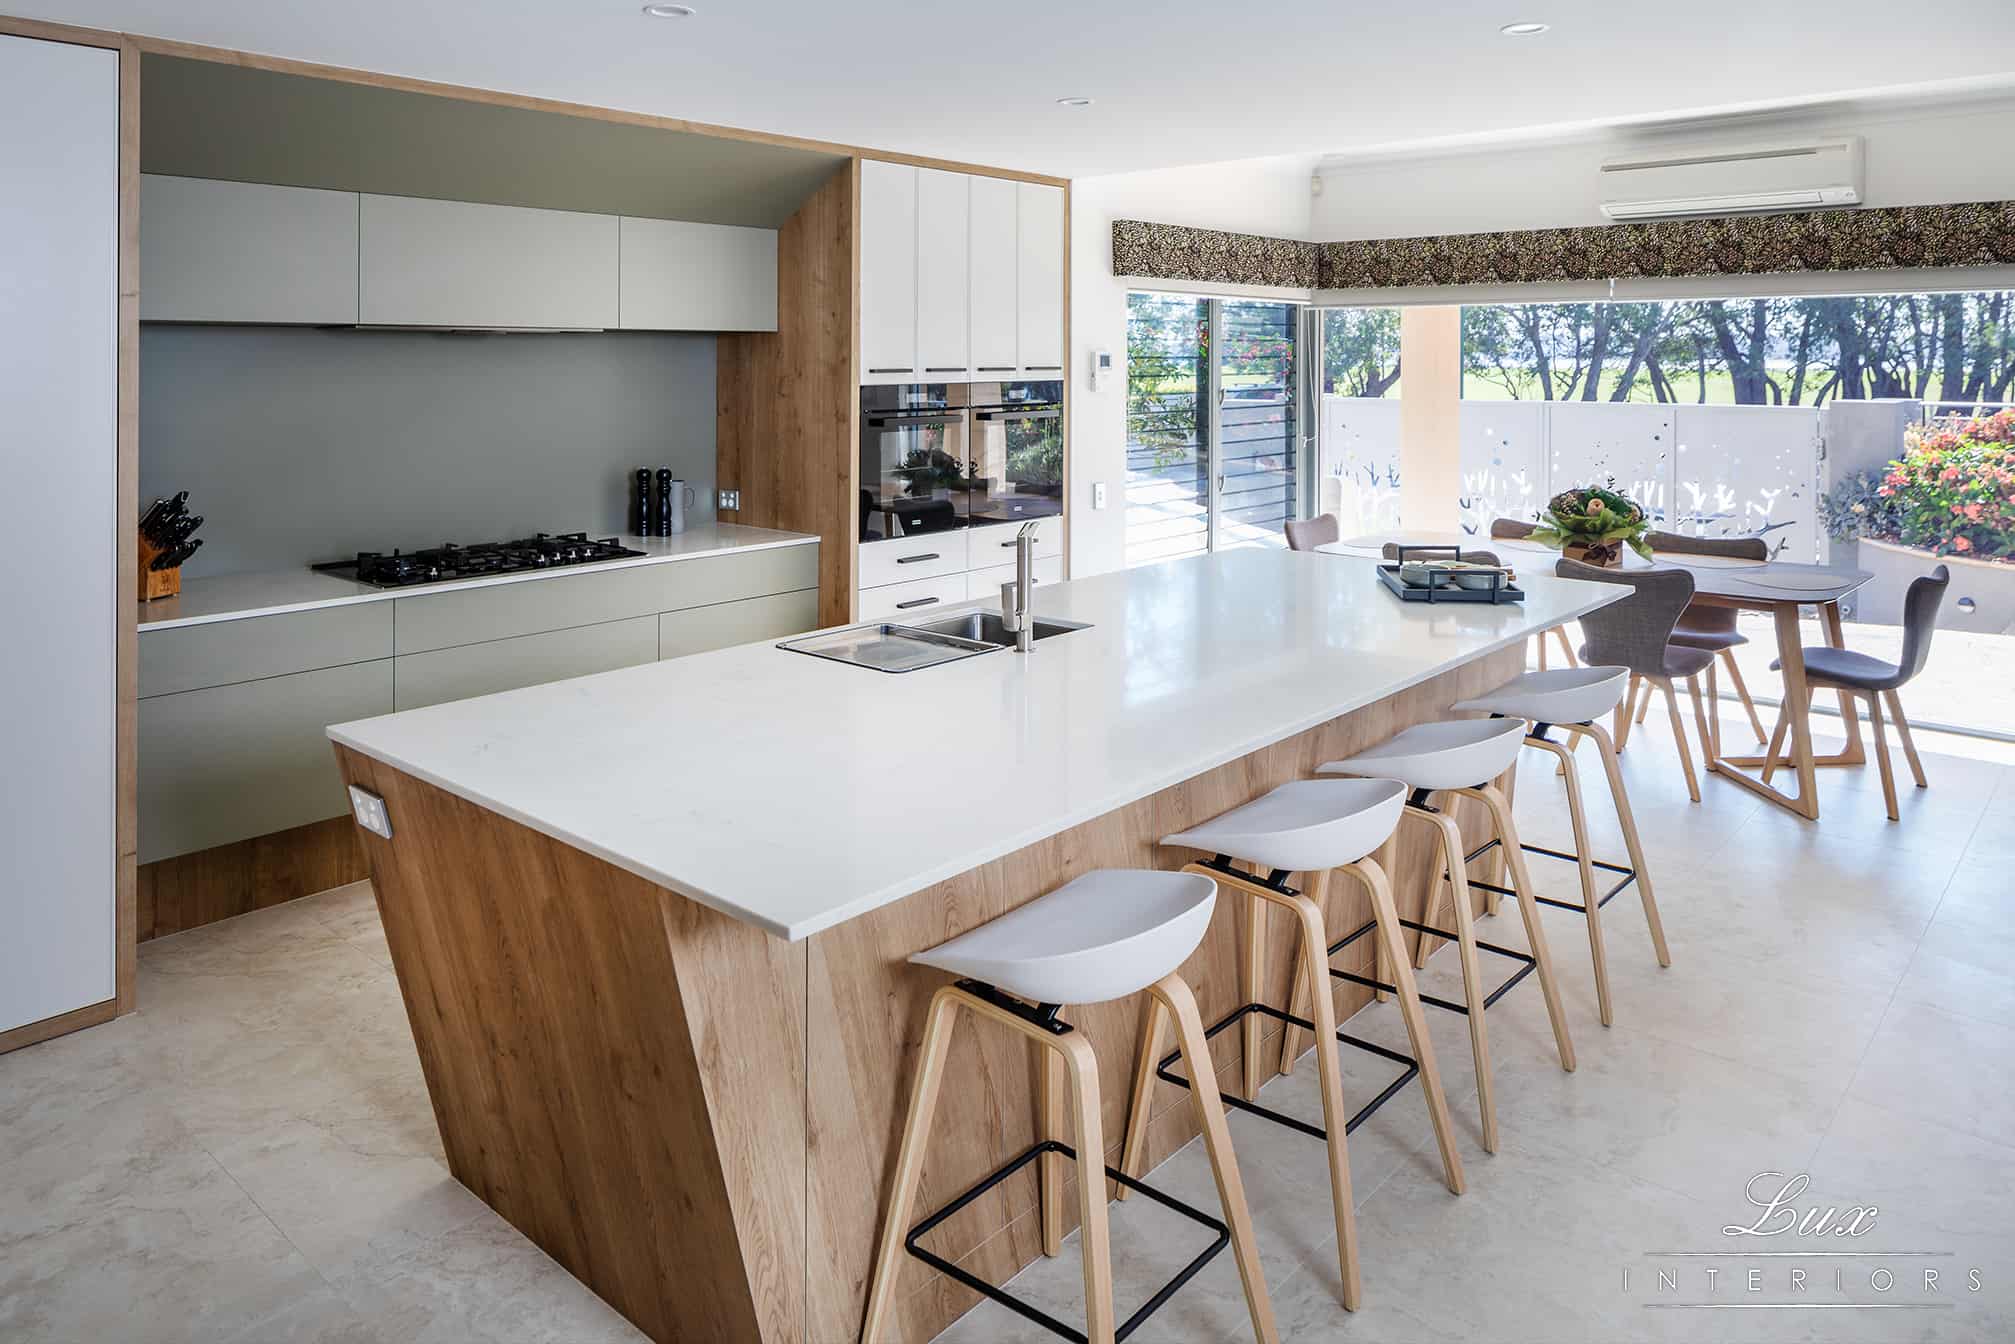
x: 986, y: 627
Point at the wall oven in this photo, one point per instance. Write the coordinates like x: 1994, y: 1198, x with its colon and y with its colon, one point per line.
x: 936, y: 457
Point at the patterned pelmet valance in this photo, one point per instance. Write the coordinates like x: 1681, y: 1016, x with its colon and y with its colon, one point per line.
x: 1975, y: 234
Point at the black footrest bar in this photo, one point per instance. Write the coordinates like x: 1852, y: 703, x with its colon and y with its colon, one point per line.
x: 1364, y: 1112
x: 1036, y: 1314
x: 1525, y: 960
x: 1629, y: 876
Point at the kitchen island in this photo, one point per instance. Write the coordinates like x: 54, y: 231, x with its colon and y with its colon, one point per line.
x: 650, y: 926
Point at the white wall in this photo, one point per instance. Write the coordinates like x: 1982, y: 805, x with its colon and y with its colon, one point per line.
x: 1264, y: 196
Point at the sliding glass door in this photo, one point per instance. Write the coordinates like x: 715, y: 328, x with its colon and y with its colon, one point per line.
x: 1213, y: 419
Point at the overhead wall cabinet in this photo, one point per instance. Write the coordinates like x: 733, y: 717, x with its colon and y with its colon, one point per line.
x: 962, y: 276
x: 59, y: 381
x: 248, y: 252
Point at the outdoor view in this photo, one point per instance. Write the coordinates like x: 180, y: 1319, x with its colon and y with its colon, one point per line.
x: 1212, y: 424
x: 1871, y: 431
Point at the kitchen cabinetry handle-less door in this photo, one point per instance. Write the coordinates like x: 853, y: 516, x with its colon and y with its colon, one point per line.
x: 59, y: 357
x: 888, y: 272
x: 993, y: 277
x: 1039, y: 277
x: 942, y: 332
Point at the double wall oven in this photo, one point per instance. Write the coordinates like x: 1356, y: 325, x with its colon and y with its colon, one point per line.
x: 939, y: 457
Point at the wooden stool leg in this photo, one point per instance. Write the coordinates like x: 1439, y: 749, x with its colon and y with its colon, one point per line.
x: 1388, y: 863
x: 1049, y: 1093
x: 1474, y: 991
x: 910, y: 1160
x: 1625, y: 713
x: 1251, y: 983
x: 1133, y: 1153
x: 1882, y: 755
x: 1430, y: 907
x: 1410, y: 1012
x: 1528, y: 910
x: 1679, y: 738
x: 1590, y: 898
x: 1094, y: 1235
x: 1632, y: 845
x: 1903, y: 731
x: 1174, y: 994
x: 1311, y: 966
x: 1742, y: 691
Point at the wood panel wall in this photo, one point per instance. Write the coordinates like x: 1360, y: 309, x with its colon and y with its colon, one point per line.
x: 191, y: 890
x: 787, y: 401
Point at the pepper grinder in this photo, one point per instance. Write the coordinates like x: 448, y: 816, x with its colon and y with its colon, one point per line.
x: 640, y: 507
x: 664, y: 502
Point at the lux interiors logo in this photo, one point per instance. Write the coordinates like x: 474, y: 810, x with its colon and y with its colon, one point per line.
x: 1802, y: 1256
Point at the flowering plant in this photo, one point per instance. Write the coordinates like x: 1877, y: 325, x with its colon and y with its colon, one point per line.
x: 1596, y: 519
x: 1953, y: 490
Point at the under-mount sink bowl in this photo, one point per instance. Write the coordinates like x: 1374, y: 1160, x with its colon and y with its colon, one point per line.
x: 986, y: 627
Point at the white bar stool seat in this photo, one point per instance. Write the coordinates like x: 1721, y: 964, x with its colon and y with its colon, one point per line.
x: 1101, y: 936
x: 1461, y: 757
x: 1569, y: 695
x: 1574, y: 700
x: 1307, y: 826
x: 1452, y: 754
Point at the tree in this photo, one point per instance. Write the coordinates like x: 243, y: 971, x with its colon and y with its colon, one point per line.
x: 1360, y: 351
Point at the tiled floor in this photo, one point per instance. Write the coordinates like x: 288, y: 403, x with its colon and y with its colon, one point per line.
x: 251, y: 1157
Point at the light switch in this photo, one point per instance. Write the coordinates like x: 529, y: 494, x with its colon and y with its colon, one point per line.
x: 1098, y: 494
x: 370, y: 812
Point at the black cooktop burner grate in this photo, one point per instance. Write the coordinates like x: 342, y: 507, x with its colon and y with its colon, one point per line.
x: 448, y: 561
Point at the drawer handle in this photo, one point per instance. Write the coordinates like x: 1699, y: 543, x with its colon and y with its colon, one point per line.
x: 916, y: 602
x: 914, y: 559
x: 996, y: 368
x: 901, y: 370
x: 944, y: 368
x: 1047, y: 368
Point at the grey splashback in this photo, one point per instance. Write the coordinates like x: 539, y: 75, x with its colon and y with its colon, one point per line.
x: 303, y: 444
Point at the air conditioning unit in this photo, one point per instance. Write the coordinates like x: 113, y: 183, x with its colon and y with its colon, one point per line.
x: 1804, y: 175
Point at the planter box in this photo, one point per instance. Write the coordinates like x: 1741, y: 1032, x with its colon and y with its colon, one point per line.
x: 1990, y: 586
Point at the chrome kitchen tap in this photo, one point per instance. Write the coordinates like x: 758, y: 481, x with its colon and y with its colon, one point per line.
x: 1015, y: 605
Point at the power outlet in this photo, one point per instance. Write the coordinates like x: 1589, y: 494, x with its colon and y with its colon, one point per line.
x: 370, y: 812
x: 731, y: 500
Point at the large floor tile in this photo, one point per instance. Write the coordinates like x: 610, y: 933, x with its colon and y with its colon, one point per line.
x: 1937, y: 1066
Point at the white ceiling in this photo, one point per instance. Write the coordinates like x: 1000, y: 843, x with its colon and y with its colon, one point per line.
x: 1176, y: 81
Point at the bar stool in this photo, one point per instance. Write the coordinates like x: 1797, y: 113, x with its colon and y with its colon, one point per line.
x: 1105, y: 935
x: 1308, y: 826
x: 1449, y: 758
x: 1573, y: 699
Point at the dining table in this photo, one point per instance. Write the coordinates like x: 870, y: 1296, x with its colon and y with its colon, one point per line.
x: 1783, y: 588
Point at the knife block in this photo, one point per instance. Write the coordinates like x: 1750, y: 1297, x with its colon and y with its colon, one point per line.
x: 156, y: 583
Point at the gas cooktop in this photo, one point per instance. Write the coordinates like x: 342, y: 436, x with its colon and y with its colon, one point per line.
x: 448, y: 561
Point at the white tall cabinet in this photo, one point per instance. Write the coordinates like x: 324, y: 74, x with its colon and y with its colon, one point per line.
x: 59, y: 358
x: 962, y: 276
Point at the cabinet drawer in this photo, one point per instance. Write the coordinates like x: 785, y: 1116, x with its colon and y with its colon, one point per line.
x: 912, y: 601
x: 529, y: 660
x: 561, y: 601
x: 986, y: 583
x: 907, y: 559
x: 219, y: 653
x: 729, y: 623
x: 230, y: 762
x: 994, y: 545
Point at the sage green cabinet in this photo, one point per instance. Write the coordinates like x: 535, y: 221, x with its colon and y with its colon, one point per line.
x: 459, y: 264
x: 528, y: 660
x: 229, y: 762
x: 218, y: 653
x: 724, y: 624
x: 246, y: 252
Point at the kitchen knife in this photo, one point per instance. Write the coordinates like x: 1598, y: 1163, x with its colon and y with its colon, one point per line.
x: 170, y: 559
x: 159, y: 531
x: 180, y: 530
x: 154, y: 510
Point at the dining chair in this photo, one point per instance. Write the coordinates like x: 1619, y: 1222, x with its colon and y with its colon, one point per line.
x: 1510, y: 529
x: 1871, y: 679
x: 1714, y: 627
x: 1305, y: 534
x: 1637, y: 633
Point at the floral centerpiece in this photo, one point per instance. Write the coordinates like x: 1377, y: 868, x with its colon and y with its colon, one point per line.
x: 1951, y: 493
x: 1593, y: 525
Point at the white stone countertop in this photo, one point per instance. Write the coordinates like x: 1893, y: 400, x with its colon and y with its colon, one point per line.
x: 796, y: 793
x: 231, y: 597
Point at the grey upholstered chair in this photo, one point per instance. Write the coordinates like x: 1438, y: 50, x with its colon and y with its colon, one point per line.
x: 1828, y: 668
x: 1307, y: 534
x: 1510, y: 529
x: 1637, y: 633
x: 1712, y: 627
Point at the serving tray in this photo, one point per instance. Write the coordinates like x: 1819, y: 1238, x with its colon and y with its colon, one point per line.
x: 1441, y: 586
